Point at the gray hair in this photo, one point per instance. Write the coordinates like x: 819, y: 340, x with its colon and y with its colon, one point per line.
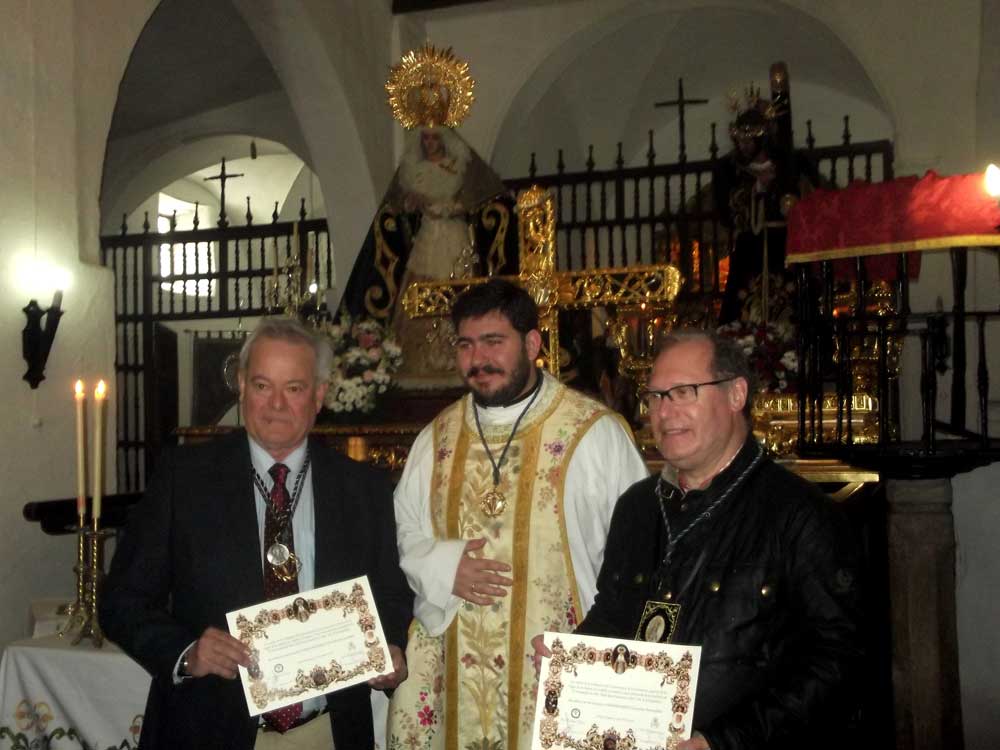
x: 285, y: 328
x: 728, y: 360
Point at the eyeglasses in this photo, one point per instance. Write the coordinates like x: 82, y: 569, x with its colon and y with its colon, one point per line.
x: 686, y: 393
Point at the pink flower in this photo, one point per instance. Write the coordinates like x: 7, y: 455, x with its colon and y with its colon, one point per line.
x: 426, y: 716
x: 468, y: 660
x: 499, y: 661
x: 556, y: 448
x: 368, y: 376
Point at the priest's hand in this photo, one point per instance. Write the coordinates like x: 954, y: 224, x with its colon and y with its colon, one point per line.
x: 395, y: 678
x: 217, y: 652
x: 478, y: 579
x: 541, y: 651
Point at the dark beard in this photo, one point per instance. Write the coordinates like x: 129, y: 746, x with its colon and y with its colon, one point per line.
x: 507, y: 394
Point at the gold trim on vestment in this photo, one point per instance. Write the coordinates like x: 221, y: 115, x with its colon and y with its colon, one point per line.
x: 519, y: 591
x: 889, y: 248
x: 451, y: 634
x: 563, y: 531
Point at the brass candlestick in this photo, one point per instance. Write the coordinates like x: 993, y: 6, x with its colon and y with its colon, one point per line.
x: 79, y: 568
x: 83, y: 622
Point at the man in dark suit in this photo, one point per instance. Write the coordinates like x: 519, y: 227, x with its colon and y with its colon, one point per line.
x: 195, y: 546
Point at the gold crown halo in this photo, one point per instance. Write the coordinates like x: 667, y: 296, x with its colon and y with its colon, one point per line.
x: 746, y: 124
x: 430, y: 87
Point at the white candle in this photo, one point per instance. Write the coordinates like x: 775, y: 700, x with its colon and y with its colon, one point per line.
x: 81, y: 451
x: 100, y: 396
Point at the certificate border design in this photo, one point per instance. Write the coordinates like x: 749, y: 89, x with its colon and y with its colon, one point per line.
x: 319, y: 676
x: 620, y: 659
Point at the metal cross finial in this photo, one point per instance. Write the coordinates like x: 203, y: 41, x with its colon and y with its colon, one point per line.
x: 681, y: 103
x: 222, y: 177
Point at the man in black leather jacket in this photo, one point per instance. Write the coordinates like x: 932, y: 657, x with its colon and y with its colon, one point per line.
x: 763, y: 568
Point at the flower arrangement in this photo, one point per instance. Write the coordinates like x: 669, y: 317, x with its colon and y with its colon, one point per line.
x: 771, y: 349
x: 365, y: 356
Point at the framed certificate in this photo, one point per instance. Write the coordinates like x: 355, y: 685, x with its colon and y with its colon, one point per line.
x: 613, y: 694
x: 309, y: 644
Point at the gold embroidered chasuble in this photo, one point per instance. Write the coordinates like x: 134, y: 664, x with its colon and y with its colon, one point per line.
x: 474, y: 686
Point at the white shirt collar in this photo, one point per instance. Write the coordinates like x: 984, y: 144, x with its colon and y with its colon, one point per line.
x: 263, y: 461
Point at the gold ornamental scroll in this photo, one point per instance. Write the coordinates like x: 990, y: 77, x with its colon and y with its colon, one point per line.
x: 552, y: 290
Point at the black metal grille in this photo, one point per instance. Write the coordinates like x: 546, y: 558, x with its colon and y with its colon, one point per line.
x: 188, y: 275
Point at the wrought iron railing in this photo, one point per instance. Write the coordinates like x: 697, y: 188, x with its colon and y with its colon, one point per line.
x: 178, y: 275
x: 851, y: 343
x: 664, y: 212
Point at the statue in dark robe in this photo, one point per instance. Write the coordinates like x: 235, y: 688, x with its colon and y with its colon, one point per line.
x: 444, y: 216
x: 755, y: 185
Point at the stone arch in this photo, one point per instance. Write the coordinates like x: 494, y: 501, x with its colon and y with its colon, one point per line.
x: 330, y: 65
x: 312, y: 111
x: 670, y: 37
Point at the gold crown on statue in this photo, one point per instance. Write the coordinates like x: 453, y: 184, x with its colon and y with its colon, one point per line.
x: 754, y: 116
x: 430, y: 87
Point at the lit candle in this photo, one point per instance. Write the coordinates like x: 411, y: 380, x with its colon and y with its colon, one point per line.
x: 100, y: 396
x: 81, y: 452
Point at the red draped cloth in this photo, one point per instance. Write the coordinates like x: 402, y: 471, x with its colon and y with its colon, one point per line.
x: 905, y: 214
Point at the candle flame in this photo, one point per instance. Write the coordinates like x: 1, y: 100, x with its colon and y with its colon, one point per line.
x: 993, y: 180
x: 101, y: 389
x: 78, y: 389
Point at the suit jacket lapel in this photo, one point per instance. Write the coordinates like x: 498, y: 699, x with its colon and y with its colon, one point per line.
x: 239, y: 542
x: 328, y: 515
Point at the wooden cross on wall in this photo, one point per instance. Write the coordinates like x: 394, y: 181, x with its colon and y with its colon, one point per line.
x: 681, y: 103
x: 222, y: 177
x: 654, y: 286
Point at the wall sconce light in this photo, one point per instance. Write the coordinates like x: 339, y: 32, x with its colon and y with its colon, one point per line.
x: 36, y: 342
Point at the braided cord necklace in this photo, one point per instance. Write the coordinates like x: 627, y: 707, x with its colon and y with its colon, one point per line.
x: 284, y: 517
x: 672, y: 540
x: 494, y: 503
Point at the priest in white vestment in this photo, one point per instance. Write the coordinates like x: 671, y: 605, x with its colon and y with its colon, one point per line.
x: 502, y: 514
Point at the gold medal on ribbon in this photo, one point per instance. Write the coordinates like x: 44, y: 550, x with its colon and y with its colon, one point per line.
x: 658, y: 622
x: 285, y: 563
x: 493, y: 503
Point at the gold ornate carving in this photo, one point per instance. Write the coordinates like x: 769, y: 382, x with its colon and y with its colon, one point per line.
x: 385, y: 263
x: 776, y: 420
x: 654, y: 286
x: 863, y: 335
x: 496, y: 216
x: 430, y: 87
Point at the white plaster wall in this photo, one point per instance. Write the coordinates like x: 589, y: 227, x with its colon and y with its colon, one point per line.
x: 61, y: 72
x: 331, y: 57
x: 977, y: 528
x: 144, y: 162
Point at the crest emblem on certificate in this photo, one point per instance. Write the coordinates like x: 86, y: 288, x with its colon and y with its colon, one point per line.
x: 658, y: 622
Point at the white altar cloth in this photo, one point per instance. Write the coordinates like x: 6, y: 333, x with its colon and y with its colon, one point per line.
x: 55, y: 695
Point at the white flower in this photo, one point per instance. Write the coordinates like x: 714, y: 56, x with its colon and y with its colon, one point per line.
x: 790, y: 360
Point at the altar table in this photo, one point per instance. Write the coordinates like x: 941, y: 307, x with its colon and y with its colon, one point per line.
x: 54, y: 695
